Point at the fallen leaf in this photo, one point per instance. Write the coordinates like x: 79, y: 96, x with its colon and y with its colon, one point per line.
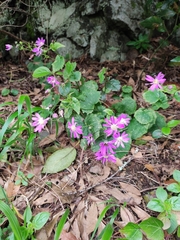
x: 60, y: 160
x: 126, y: 216
x: 68, y: 236
x: 142, y: 215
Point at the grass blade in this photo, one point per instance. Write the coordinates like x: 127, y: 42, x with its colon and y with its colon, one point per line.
x: 61, y: 225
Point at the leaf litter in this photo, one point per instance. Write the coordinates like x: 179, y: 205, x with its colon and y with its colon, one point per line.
x: 87, y: 185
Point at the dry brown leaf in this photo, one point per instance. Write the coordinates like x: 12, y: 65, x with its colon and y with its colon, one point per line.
x: 150, y: 167
x: 11, y: 189
x: 93, y: 179
x: 46, y: 198
x: 136, y: 154
x: 41, y: 234
x: 68, y: 236
x: 49, y: 227
x: 112, y: 192
x: 130, y: 188
x: 75, y: 229
x: 97, y: 169
x: 127, y: 216
x: 91, y: 218
x: 142, y: 215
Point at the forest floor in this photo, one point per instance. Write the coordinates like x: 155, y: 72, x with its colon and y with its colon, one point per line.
x: 87, y: 185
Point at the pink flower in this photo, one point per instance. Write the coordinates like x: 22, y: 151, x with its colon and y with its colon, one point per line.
x: 105, y: 152
x: 40, y: 42
x: 156, y: 82
x: 37, y: 51
x: 104, y: 157
x: 8, y: 47
x: 55, y: 115
x: 53, y: 81
x: 120, y: 139
x: 89, y: 138
x: 39, y: 122
x: 114, y: 123
x: 123, y: 120
x: 74, y: 130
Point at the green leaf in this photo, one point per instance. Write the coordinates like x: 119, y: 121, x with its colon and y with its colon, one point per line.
x: 27, y: 215
x: 58, y: 63
x: 177, y: 96
x: 75, y: 76
x: 166, y: 130
x: 108, y: 232
x: 127, y: 89
x: 75, y: 105
x: 159, y: 123
x: 170, y: 89
x: 14, y: 92
x: 178, y: 231
x: 61, y: 225
x: 41, y: 72
x: 101, y: 74
x: 132, y: 231
x: 161, y: 194
x: 175, y: 61
x: 145, y: 116
x: 174, y: 224
x: 92, y: 124
x: 5, y: 92
x: 136, y: 129
x: 157, y: 134
x: 151, y: 96
x: 112, y: 85
x: 174, y: 187
x: 176, y: 175
x: 55, y: 46
x: 153, y: 22
x: 173, y: 123
x: 175, y: 203
x: 152, y: 228
x: 156, y: 205
x: 40, y: 220
x: 69, y: 68
x: 64, y: 89
x: 127, y: 105
x: 60, y: 160
x: 13, y: 222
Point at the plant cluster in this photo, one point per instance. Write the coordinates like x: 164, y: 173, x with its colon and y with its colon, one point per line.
x: 80, y: 105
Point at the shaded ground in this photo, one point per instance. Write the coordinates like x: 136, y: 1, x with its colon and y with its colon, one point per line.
x: 87, y: 184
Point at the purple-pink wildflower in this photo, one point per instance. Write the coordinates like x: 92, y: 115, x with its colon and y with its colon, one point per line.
x: 104, y: 157
x: 53, y: 81
x: 40, y: 42
x: 37, y: 51
x: 75, y: 131
x: 38, y: 122
x: 124, y: 120
x: 120, y: 139
x: 107, y: 147
x: 55, y: 115
x: 89, y: 138
x: 156, y: 82
x: 8, y: 47
x: 114, y: 123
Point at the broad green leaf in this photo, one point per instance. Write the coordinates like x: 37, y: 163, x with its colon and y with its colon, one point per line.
x: 165, y: 220
x: 112, y: 85
x: 27, y: 215
x: 145, y: 116
x: 75, y: 105
x: 58, y: 63
x: 175, y: 203
x: 161, y: 194
x: 69, y: 68
x: 174, y: 187
x: 60, y: 225
x: 60, y: 160
x: 177, y: 96
x: 159, y: 123
x: 55, y: 46
x: 101, y: 74
x: 127, y: 105
x: 41, y: 72
x: 75, y: 76
x: 5, y: 92
x: 14, y: 92
x: 174, y: 224
x: 136, y: 129
x: 173, y: 123
x: 175, y: 61
x: 151, y: 96
x: 176, y: 175
x: 127, y: 89
x: 178, y: 231
x: 156, y: 205
x: 170, y: 89
x: 88, y: 86
x: 166, y: 130
x: 64, y: 89
x: 40, y: 220
x: 152, y: 228
x: 92, y: 124
x: 157, y: 134
x: 154, y: 22
x: 132, y: 231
